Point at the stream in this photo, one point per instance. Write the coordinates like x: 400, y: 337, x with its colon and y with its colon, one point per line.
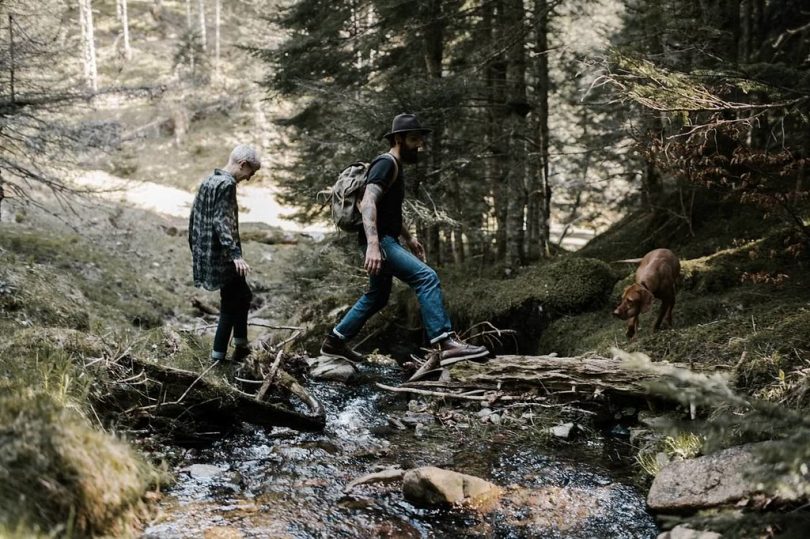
x: 257, y: 483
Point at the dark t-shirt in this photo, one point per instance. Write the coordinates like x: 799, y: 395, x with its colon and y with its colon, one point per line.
x: 389, y: 206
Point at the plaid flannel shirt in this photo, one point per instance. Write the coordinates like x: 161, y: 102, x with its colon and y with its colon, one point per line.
x: 213, y: 231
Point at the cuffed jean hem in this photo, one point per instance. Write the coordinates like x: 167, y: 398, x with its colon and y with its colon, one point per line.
x: 402, y: 264
x: 240, y: 341
x: 439, y: 338
x: 217, y: 356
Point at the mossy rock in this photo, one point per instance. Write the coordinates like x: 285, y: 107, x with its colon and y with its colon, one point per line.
x: 56, y: 470
x: 536, y: 296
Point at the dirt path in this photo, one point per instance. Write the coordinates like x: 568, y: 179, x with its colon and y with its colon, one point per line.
x: 258, y: 203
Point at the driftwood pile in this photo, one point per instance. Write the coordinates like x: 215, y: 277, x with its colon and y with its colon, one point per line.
x: 190, y: 402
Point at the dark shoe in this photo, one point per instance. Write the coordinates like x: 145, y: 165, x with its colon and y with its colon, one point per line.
x: 430, y: 364
x: 334, y: 347
x: 240, y: 353
x: 453, y: 350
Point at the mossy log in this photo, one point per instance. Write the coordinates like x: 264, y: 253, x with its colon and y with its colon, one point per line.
x: 188, y: 394
x: 584, y: 375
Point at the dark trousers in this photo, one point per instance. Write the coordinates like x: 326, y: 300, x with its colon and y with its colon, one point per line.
x: 234, y: 305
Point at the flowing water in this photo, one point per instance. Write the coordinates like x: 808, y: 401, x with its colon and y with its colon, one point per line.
x: 283, y: 483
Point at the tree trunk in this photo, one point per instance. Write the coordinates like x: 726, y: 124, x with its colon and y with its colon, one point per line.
x: 217, y: 16
x: 203, y: 41
x: 746, y: 27
x: 88, y: 43
x: 495, y: 88
x: 123, y: 16
x: 188, y: 15
x: 11, y: 60
x: 515, y: 126
x: 434, y: 56
x: 541, y: 194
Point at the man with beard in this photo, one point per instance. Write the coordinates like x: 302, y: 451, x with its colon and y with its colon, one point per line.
x: 386, y: 258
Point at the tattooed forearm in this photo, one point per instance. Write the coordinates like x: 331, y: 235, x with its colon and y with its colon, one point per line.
x: 368, y: 209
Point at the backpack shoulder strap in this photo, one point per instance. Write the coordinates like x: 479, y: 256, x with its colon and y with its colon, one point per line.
x: 393, y: 159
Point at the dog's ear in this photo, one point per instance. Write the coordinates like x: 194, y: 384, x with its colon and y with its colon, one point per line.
x: 626, y: 290
x: 646, y: 299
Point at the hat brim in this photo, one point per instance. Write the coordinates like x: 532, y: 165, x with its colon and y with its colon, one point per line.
x: 421, y: 131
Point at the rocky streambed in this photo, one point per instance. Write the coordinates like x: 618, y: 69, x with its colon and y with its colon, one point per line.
x: 283, y: 483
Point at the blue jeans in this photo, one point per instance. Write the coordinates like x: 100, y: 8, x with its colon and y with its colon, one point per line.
x: 400, y: 263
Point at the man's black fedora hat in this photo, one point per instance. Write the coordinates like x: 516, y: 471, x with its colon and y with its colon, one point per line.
x: 406, y: 123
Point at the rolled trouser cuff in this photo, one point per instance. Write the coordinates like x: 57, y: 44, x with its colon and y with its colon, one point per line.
x: 339, y: 335
x: 217, y: 356
x: 439, y: 338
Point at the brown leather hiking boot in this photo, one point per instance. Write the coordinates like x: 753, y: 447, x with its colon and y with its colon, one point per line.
x: 334, y: 347
x: 453, y: 350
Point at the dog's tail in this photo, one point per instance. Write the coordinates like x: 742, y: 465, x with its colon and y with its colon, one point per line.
x: 627, y: 261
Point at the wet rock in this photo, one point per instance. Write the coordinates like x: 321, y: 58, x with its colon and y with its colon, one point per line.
x: 654, y: 421
x: 682, y: 532
x: 203, y: 471
x: 724, y: 477
x: 416, y: 406
x: 225, y: 489
x: 629, y: 411
x: 416, y: 418
x: 429, y: 486
x: 331, y: 368
x: 638, y: 436
x: 620, y: 431
x: 394, y: 422
x: 562, y: 431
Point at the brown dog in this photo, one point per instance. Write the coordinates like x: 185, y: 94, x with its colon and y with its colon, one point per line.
x: 655, y: 278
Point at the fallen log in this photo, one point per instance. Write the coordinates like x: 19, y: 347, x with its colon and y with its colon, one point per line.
x: 203, y: 307
x: 221, y: 403
x: 582, y: 375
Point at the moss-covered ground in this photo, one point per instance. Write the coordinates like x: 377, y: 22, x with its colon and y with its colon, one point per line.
x: 743, y: 301
x: 76, y: 298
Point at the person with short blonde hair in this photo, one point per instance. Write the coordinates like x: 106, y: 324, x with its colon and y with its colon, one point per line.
x: 213, y: 237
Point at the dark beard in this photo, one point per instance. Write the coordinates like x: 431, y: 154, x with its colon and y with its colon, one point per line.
x: 410, y: 157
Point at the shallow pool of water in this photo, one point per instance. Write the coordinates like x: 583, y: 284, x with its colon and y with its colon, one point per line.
x: 283, y: 483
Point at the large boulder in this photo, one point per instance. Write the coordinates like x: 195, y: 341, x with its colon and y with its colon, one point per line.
x: 725, y: 477
x: 430, y: 486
